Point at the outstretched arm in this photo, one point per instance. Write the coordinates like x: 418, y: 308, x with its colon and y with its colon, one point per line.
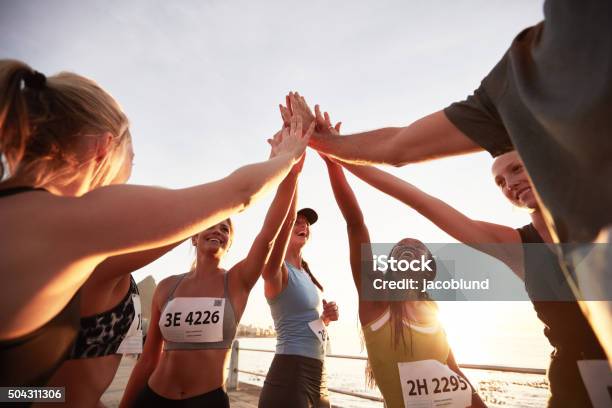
x: 447, y: 218
x: 252, y: 266
x: 358, y: 237
x: 274, y: 270
x: 433, y: 136
x: 123, y: 219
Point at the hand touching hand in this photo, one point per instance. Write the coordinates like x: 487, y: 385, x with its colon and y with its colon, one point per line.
x: 323, y: 123
x: 291, y: 140
x: 296, y: 105
x: 274, y: 143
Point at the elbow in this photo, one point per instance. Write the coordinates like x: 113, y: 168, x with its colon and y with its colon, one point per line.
x: 396, y: 159
x: 245, y: 202
x: 396, y: 153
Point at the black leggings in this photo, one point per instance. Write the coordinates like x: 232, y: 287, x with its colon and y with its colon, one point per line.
x: 213, y: 399
x: 296, y: 382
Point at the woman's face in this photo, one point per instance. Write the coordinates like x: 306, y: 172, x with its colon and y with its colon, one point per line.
x: 216, y: 239
x: 300, y: 233
x: 410, y: 249
x: 511, y: 177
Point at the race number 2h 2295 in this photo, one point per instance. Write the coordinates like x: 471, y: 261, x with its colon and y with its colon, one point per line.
x: 429, y: 383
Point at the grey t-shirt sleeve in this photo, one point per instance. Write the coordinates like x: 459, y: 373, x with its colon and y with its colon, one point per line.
x: 479, y: 120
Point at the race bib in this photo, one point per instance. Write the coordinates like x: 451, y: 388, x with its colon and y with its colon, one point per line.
x: 193, y: 320
x: 597, y: 379
x: 318, y: 328
x: 132, y: 343
x: 431, y: 384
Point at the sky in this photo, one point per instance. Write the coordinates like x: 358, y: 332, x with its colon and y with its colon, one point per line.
x: 201, y: 82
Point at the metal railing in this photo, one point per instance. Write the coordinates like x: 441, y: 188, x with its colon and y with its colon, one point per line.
x: 232, y: 381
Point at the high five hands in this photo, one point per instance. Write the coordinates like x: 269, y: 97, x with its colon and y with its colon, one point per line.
x: 290, y: 139
x: 323, y: 132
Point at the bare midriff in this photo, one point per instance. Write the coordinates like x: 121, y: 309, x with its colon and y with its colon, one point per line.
x: 184, y: 374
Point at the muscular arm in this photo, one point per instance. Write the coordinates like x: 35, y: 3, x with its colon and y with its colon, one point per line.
x: 431, y: 137
x: 121, y: 219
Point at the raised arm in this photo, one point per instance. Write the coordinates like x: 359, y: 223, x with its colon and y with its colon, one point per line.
x: 251, y: 267
x: 447, y: 218
x: 122, y: 219
x: 430, y: 137
x: 140, y: 225
x: 358, y: 237
x: 150, y: 354
x: 274, y: 270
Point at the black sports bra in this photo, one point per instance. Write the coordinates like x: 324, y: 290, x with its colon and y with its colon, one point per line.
x: 31, y: 360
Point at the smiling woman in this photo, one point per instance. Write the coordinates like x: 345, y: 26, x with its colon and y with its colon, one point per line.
x: 565, y: 326
x: 194, y: 315
x: 66, y: 153
x: 510, y: 176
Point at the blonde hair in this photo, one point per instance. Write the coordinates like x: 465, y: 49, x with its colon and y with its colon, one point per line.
x: 43, y: 120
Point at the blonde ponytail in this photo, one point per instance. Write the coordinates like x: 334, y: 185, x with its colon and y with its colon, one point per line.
x: 43, y: 120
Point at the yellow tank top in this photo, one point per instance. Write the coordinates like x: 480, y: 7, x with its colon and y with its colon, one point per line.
x: 428, y: 343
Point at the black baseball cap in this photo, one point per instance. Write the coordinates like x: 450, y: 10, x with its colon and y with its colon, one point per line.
x: 310, y: 215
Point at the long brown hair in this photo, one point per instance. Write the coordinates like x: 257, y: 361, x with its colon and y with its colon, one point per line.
x: 400, y: 317
x: 42, y: 120
x: 401, y: 312
x: 306, y: 268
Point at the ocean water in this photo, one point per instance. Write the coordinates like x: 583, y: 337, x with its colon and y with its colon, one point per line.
x: 497, y: 389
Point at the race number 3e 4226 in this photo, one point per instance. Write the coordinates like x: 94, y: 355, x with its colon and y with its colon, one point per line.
x: 192, y: 318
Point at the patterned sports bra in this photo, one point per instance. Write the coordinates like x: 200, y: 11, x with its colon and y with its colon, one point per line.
x: 118, y: 330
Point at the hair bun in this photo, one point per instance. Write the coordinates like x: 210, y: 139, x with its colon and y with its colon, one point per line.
x: 35, y: 80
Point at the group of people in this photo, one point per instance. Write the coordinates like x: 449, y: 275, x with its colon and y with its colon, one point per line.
x: 73, y: 232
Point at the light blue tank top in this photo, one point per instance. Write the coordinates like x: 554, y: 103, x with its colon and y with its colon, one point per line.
x: 292, y: 310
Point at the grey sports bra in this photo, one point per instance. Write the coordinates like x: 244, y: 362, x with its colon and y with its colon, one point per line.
x: 198, y: 323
